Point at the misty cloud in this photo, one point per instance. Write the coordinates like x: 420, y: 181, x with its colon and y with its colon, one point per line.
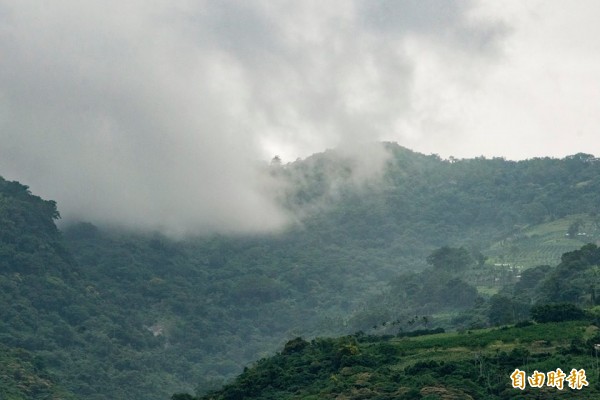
x: 156, y: 115
x: 447, y: 22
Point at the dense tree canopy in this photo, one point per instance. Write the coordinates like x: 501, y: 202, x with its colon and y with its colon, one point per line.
x: 450, y: 259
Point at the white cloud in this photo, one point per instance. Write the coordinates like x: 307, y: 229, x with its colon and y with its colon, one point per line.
x: 538, y: 98
x: 154, y: 114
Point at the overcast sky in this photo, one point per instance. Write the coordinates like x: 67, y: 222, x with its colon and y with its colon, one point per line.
x: 154, y: 113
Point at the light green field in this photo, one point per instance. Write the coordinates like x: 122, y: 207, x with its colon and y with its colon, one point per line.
x: 454, y: 346
x: 544, y: 243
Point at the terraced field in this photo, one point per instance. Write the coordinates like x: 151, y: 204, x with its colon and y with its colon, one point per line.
x: 544, y: 244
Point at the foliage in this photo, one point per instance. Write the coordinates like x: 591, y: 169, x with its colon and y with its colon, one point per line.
x: 114, y: 314
x: 576, y: 279
x: 476, y: 365
x: 294, y: 345
x: 452, y: 259
x: 557, y: 312
x: 24, y: 376
x: 505, y: 310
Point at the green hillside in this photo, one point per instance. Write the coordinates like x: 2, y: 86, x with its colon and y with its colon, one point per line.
x: 112, y: 314
x: 56, y: 329
x: 23, y: 376
x: 467, y: 365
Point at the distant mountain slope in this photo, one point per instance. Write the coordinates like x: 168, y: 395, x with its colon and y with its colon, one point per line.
x: 36, y: 274
x: 56, y: 326
x: 425, y: 198
x: 115, y: 314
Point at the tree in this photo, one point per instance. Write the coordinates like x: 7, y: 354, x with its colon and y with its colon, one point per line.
x: 276, y: 161
x: 456, y: 293
x: 574, y: 228
x: 182, y: 396
x: 294, y: 346
x: 450, y: 259
x: 504, y: 310
x: 556, y: 312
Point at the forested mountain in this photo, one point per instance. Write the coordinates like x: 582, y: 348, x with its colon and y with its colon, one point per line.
x: 107, y: 314
x: 38, y: 278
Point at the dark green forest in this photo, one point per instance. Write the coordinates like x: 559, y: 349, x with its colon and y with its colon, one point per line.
x: 98, y: 313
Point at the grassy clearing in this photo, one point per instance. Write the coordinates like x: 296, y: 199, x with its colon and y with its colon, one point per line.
x: 487, y: 290
x: 544, y: 243
x: 454, y: 346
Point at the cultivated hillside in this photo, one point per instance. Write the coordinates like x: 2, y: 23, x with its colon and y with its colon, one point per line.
x: 465, y: 365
